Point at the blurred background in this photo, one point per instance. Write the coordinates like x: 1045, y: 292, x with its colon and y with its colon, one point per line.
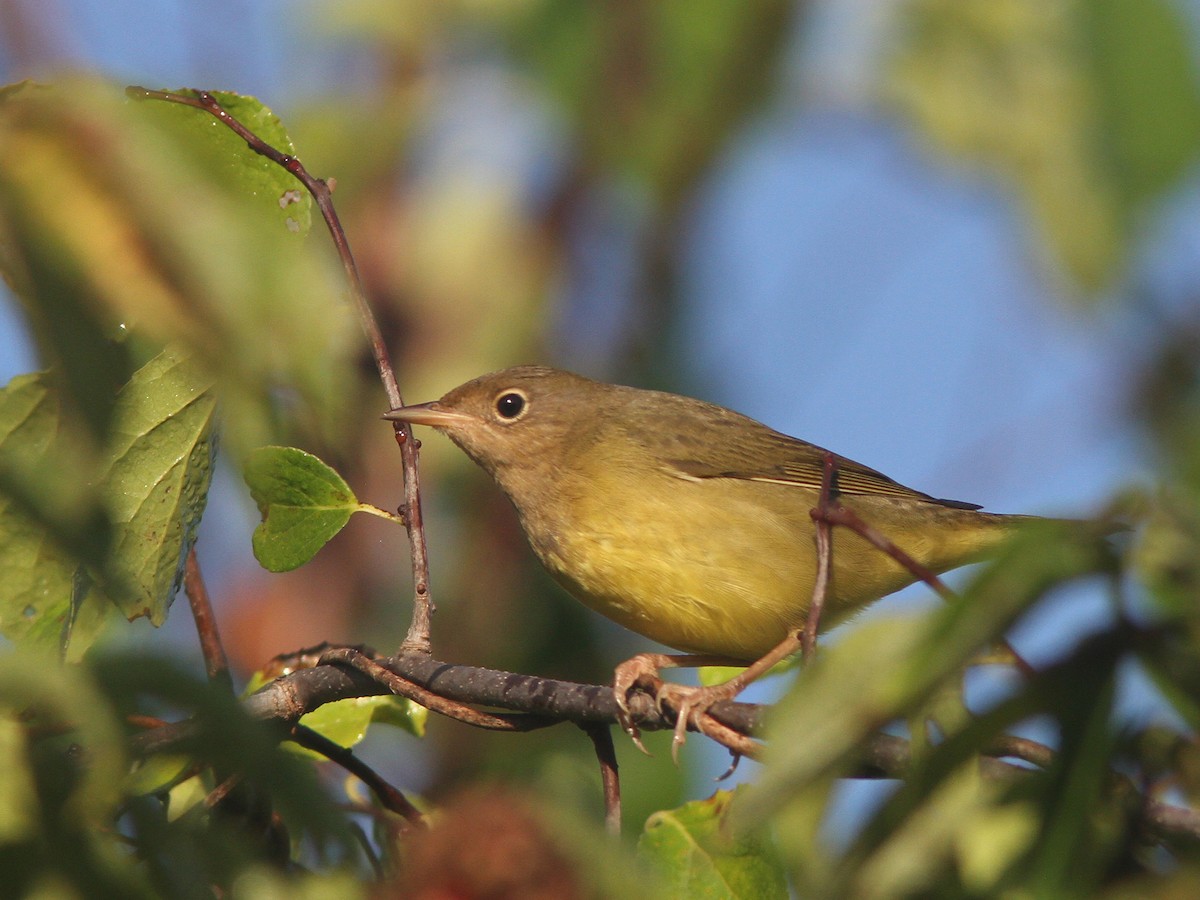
x: 957, y: 242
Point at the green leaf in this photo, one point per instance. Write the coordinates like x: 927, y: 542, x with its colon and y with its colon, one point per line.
x: 345, y: 722
x: 81, y: 533
x: 694, y: 70
x: 699, y: 856
x: 58, y: 697
x: 279, y: 193
x: 157, y: 773
x: 710, y: 675
x: 164, y: 225
x: 51, y: 524
x: 303, y: 502
x: 161, y: 455
x: 1145, y: 77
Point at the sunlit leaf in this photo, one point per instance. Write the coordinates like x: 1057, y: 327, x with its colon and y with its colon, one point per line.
x: 345, y: 722
x: 142, y: 217
x: 699, y: 856
x: 303, y: 503
x: 162, y: 449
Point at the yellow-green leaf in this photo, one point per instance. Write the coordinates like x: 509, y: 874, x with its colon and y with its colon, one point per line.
x: 699, y: 856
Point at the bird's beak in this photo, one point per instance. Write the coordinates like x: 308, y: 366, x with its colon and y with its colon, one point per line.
x: 432, y: 414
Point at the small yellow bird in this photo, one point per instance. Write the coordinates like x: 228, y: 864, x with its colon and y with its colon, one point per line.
x: 684, y: 521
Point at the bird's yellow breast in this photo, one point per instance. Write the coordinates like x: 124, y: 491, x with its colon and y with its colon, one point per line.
x: 660, y: 562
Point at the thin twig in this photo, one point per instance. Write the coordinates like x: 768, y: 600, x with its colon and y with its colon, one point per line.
x: 838, y: 514
x: 812, y: 620
x: 606, y: 755
x: 215, y: 661
x: 368, y: 850
x: 391, y: 798
x: 417, y: 639
x: 1022, y: 748
x: 221, y: 791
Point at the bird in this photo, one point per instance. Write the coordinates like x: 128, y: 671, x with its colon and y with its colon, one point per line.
x: 689, y: 523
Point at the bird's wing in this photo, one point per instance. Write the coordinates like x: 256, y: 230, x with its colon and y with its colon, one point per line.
x: 770, y: 456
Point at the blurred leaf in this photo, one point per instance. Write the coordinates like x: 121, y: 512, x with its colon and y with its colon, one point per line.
x: 56, y: 697
x: 1082, y: 818
x: 655, y: 89
x: 161, y: 449
x: 51, y: 525
x: 345, y: 722
x: 1168, y: 400
x: 1146, y: 81
x: 186, y: 796
x: 815, y: 733
x: 266, y: 883
x: 303, y: 503
x: 991, y: 841
x: 18, y: 793
x: 156, y: 773
x: 698, y: 855
x: 912, y: 856
x: 1090, y: 107
x: 120, y: 216
x: 226, y: 740
x: 63, y: 765
x: 1164, y: 554
x: 837, y: 702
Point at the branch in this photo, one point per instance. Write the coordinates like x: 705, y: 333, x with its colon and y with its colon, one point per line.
x: 418, y: 632
x: 546, y: 700
x: 541, y: 700
x: 215, y: 661
x: 606, y: 755
x: 391, y: 798
x: 824, y: 536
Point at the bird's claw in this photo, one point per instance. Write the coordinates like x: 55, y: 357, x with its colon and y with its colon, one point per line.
x: 690, y: 705
x: 637, y: 673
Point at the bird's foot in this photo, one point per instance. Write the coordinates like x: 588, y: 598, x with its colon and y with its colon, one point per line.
x: 689, y: 704
x: 691, y: 707
x: 638, y: 673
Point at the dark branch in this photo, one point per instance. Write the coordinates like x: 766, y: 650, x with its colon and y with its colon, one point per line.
x: 543, y: 700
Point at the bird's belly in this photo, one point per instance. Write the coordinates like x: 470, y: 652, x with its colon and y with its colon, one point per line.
x: 730, y: 585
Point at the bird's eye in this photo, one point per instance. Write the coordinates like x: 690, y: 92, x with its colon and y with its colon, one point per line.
x: 510, y: 405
